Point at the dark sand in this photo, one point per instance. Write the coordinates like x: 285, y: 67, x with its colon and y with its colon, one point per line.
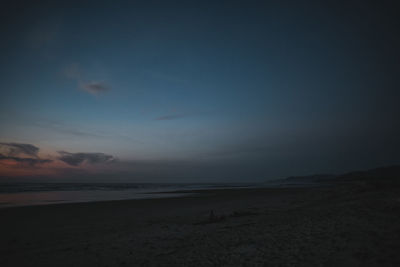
x: 341, y: 225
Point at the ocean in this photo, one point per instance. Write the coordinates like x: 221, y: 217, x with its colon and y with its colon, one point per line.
x: 28, y: 194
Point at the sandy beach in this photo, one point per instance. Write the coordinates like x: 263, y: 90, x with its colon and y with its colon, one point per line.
x: 337, y: 225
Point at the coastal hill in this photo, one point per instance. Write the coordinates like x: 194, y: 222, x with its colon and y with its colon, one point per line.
x: 382, y: 175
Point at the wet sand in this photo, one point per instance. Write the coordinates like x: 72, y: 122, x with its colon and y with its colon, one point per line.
x: 337, y: 225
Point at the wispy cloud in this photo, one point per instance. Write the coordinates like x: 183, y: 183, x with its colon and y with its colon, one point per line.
x: 75, y: 130
x: 95, y: 88
x: 60, y: 127
x: 16, y: 149
x: 49, y: 125
x: 20, y: 153
x: 76, y: 159
x: 74, y: 72
x: 170, y: 117
x: 24, y: 161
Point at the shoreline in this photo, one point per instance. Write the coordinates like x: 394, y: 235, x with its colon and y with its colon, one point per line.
x: 155, y: 195
x: 178, y: 194
x: 161, y: 195
x: 55, y: 197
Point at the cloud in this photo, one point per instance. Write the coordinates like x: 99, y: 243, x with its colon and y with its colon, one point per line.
x: 61, y: 127
x: 13, y: 151
x: 27, y: 155
x: 24, y: 161
x: 76, y: 159
x: 74, y: 72
x: 16, y: 149
x: 94, y: 88
x: 169, y: 117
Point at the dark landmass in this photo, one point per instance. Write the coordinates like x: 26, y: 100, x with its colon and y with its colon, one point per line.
x: 385, y: 175
x: 354, y: 220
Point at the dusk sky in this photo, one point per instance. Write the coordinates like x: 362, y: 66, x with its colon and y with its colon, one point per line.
x: 197, y: 91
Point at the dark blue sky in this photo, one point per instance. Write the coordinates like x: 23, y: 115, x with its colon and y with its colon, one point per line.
x: 197, y: 90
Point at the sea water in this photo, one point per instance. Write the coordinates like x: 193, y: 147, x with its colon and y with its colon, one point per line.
x: 27, y: 194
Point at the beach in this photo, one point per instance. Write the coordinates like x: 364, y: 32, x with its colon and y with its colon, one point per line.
x: 328, y: 225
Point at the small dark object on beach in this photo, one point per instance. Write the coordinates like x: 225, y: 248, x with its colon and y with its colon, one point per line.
x: 212, y: 218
